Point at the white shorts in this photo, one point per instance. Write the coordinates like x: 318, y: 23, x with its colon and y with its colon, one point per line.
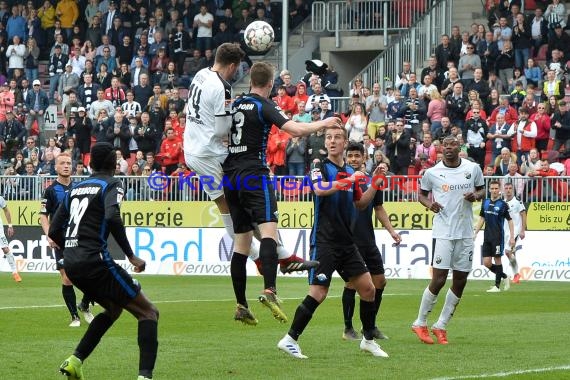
x: 210, y: 173
x: 3, y: 240
x: 453, y: 254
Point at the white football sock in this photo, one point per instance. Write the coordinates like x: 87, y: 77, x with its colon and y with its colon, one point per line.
x: 11, y: 261
x: 228, y: 224
x: 451, y: 301
x: 514, y: 264
x: 428, y: 300
x: 254, y: 250
x: 282, y: 253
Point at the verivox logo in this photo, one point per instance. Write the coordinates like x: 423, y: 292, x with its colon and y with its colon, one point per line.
x: 529, y: 274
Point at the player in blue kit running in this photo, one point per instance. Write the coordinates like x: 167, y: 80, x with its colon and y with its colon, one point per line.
x: 494, y: 213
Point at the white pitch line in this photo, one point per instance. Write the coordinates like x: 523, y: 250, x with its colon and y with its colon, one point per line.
x: 505, y: 374
x: 174, y: 301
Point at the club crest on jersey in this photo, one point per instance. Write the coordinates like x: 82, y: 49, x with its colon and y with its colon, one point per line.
x: 467, y: 175
x: 438, y: 259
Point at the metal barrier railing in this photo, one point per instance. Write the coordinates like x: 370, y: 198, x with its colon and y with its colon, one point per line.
x: 415, y: 45
x: 159, y: 187
x: 366, y: 15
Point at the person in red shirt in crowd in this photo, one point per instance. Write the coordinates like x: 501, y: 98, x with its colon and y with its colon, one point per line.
x: 276, y: 151
x: 542, y: 121
x: 546, y: 190
x: 174, y: 124
x: 505, y: 108
x: 115, y: 93
x: 170, y: 152
x: 301, y: 93
x: 284, y: 101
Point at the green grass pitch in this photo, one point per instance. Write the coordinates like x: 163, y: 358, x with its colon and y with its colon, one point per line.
x: 509, y: 334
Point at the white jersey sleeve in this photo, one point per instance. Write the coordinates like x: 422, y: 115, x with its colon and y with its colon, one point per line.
x: 3, y: 203
x: 448, y: 186
x: 208, y: 119
x: 515, y: 209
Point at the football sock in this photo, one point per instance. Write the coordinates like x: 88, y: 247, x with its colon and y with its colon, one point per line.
x: 451, y: 301
x: 98, y: 327
x: 514, y: 264
x: 348, y: 303
x: 268, y: 256
x: 85, y: 301
x: 228, y: 224
x: 282, y: 253
x: 254, y: 250
x: 428, y: 300
x: 11, y: 261
x: 148, y: 345
x: 238, y: 273
x: 377, y: 301
x: 68, y: 294
x: 367, y: 317
x: 303, y: 316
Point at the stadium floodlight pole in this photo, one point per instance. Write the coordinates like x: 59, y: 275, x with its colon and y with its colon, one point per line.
x: 284, y: 33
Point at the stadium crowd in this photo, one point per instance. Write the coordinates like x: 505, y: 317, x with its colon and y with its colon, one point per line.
x: 119, y: 73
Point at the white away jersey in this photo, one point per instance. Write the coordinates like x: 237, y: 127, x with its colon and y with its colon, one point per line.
x: 208, y: 119
x: 515, y: 209
x: 448, y: 185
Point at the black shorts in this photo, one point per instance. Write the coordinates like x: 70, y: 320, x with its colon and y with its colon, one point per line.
x: 58, y: 253
x: 346, y: 260
x: 491, y: 249
x: 103, y: 280
x: 251, y: 199
x: 372, y: 258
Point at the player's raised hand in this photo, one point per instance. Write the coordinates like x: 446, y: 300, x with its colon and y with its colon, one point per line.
x: 333, y: 122
x: 139, y: 264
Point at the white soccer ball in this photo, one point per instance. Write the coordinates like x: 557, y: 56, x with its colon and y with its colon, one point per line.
x: 259, y: 36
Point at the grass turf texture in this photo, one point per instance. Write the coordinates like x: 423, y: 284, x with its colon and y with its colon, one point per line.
x: 519, y: 330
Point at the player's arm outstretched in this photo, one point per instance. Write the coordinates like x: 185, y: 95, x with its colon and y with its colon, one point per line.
x: 298, y: 129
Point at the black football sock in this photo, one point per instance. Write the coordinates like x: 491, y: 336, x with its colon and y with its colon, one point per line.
x: 148, y: 346
x: 503, y: 274
x: 85, y: 301
x: 238, y: 272
x: 348, y: 303
x: 377, y: 302
x: 269, y: 261
x: 367, y: 315
x: 98, y: 327
x: 70, y: 299
x: 493, y: 268
x: 303, y: 316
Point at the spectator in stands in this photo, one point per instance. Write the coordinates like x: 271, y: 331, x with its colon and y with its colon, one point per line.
x: 555, y: 13
x: 449, y: 82
x: 47, y: 16
x: 7, y: 100
x: 16, y: 53
x: 117, y: 133
x: 29, y: 182
x: 475, y: 136
x: 87, y: 92
x: 504, y: 64
x: 56, y: 68
x: 524, y: 133
x: 317, y: 96
x: 398, y: 148
x: 499, y: 136
x: 552, y: 86
x: 376, y: 107
x: 68, y: 81
x: 457, y: 105
x: 488, y: 51
x: 115, y: 94
x: 414, y: 111
x: 316, y: 150
x: 194, y: 64
x: 101, y: 104
x: 12, y: 135
x: 502, y: 33
x: 68, y: 13
x: 493, y: 101
x: 517, y: 94
x: 356, y: 124
x: 513, y: 177
x: 301, y: 93
x: 37, y: 103
x: 506, y: 109
x: 47, y: 167
x: 158, y: 44
x: 175, y: 102
x: 532, y: 73
x: 425, y: 90
x: 542, y: 121
x: 283, y: 100
x: 103, y: 76
x: 147, y: 135
x: 468, y: 63
x: 180, y: 41
x: 157, y: 97
x: 522, y: 39
x: 426, y: 148
x: 560, y: 122
x: 411, y: 83
x: 151, y: 162
x: 403, y: 77
x: 298, y: 13
x: 203, y: 23
x: 143, y: 91
x: 502, y: 162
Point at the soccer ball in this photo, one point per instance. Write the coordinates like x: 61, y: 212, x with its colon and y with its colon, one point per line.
x: 259, y: 36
